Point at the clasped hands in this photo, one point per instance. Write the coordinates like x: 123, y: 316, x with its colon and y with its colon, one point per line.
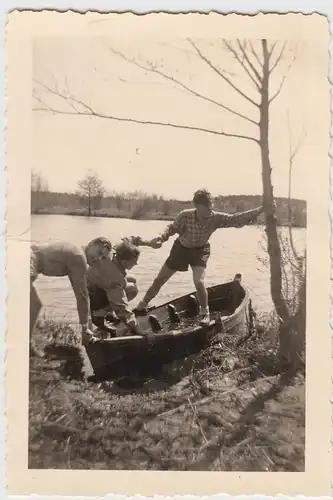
x: 155, y: 242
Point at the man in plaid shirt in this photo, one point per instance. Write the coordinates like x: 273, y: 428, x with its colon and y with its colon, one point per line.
x: 192, y: 248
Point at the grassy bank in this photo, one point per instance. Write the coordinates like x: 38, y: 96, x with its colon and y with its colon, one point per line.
x: 228, y: 408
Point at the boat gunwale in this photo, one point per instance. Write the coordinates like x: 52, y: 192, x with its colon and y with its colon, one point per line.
x: 171, y: 334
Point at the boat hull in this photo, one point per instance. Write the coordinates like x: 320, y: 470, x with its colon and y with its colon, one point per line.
x: 124, y: 355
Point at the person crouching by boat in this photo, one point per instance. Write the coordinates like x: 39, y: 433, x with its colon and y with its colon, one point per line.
x: 192, y: 247
x: 111, y: 289
x: 65, y: 259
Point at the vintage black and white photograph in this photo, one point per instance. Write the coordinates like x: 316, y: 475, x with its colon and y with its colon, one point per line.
x: 168, y: 251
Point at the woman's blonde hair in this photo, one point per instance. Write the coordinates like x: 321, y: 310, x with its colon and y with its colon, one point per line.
x: 102, y: 242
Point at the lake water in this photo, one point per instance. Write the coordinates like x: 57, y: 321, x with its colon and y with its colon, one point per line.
x: 233, y: 250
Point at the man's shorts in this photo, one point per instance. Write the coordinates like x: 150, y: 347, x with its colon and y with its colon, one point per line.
x: 181, y: 258
x: 98, y: 298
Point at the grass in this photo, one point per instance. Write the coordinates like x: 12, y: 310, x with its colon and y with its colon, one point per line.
x: 227, y: 409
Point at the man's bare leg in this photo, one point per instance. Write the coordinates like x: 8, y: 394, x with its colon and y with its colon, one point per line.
x: 35, y: 307
x: 163, y: 276
x: 202, y: 294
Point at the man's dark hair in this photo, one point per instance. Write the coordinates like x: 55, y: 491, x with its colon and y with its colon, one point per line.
x: 202, y: 197
x: 126, y: 250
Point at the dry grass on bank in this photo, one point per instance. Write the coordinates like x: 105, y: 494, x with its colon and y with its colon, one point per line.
x: 227, y: 409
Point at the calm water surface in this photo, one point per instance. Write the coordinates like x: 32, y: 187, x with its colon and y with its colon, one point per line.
x: 233, y: 250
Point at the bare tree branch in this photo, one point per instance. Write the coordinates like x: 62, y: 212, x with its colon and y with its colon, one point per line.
x: 187, y: 52
x: 220, y: 73
x: 44, y: 106
x: 70, y: 101
x: 278, y: 58
x: 282, y: 81
x: 67, y: 98
x: 238, y: 59
x: 249, y: 62
x: 255, y: 54
x: 270, y: 52
x: 92, y: 113
x: 152, y: 69
x: 278, y: 90
x: 299, y: 144
x: 292, y: 153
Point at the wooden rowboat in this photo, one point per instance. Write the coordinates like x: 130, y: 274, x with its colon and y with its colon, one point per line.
x: 171, y: 331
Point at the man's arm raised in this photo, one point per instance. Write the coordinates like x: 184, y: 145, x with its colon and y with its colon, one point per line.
x: 239, y: 219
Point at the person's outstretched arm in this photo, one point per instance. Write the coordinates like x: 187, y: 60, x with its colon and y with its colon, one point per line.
x: 77, y: 269
x: 157, y: 242
x: 171, y: 229
x: 139, y: 242
x: 239, y: 219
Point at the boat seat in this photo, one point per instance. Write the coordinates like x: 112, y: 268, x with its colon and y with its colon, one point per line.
x: 192, y: 306
x: 173, y: 314
x: 155, y: 323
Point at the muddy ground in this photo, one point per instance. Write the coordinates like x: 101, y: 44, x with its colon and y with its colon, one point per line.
x: 229, y: 408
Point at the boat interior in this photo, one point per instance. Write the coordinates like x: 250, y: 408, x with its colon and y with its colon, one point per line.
x: 178, y: 315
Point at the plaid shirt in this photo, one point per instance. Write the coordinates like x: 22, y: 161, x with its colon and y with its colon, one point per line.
x: 194, y: 233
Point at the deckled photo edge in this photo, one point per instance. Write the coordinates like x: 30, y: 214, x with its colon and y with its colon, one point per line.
x: 22, y: 247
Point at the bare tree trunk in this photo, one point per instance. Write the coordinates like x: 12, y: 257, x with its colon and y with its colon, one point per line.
x: 274, y: 250
x: 89, y: 205
x: 299, y: 323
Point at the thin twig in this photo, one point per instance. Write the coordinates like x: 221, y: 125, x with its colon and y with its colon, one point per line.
x: 278, y: 59
x: 282, y: 81
x: 64, y: 97
x: 152, y: 69
x: 220, y: 73
x: 215, y: 419
x: 238, y: 59
x: 150, y: 122
x: 249, y: 62
x: 270, y: 52
x: 292, y: 154
x: 278, y: 90
x: 255, y: 54
x: 57, y: 420
x: 195, y: 417
x: 68, y: 449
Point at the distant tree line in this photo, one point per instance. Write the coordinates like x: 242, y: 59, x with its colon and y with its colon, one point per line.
x: 91, y: 199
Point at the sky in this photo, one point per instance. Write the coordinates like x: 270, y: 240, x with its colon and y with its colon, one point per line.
x: 164, y: 160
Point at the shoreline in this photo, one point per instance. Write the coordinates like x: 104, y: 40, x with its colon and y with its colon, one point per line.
x: 146, y: 217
